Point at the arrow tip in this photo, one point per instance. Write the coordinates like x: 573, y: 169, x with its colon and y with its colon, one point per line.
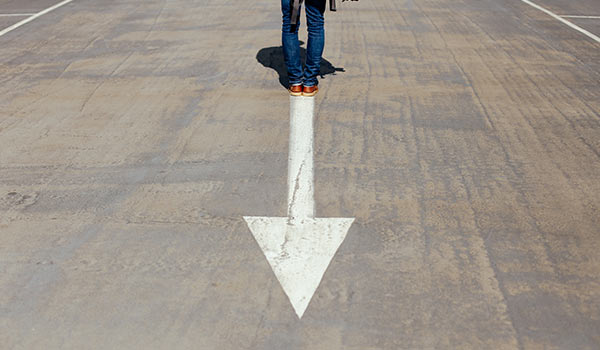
x: 300, y: 252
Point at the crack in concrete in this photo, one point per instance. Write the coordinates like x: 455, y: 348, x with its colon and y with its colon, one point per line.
x: 292, y: 202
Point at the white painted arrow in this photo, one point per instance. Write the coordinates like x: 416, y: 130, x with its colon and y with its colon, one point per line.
x: 299, y: 247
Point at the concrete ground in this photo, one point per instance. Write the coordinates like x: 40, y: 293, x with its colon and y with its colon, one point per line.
x: 463, y: 136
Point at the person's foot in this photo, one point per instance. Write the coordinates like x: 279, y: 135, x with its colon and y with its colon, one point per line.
x: 310, y: 91
x: 295, y: 90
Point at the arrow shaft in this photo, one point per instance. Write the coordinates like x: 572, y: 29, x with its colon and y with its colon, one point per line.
x: 301, y: 196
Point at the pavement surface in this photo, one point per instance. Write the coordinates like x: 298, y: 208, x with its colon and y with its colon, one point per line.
x: 463, y: 136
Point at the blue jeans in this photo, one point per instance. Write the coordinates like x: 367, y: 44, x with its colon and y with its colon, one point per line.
x: 316, y: 41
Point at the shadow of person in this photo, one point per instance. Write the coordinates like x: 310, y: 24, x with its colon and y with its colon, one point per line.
x: 272, y: 57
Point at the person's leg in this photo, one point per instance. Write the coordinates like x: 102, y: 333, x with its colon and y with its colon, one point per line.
x: 291, y: 45
x: 316, y: 40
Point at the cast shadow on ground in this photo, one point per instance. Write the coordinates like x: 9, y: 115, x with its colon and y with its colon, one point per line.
x: 272, y: 57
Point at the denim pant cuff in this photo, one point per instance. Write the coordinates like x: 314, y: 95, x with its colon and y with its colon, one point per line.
x: 311, y: 82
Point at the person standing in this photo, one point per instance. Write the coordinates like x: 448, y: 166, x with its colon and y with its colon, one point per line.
x: 303, y: 79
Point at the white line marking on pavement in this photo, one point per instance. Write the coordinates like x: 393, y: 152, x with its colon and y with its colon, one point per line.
x: 29, y: 19
x: 583, y: 17
x: 16, y: 14
x: 299, y: 247
x: 301, y: 197
x: 557, y: 17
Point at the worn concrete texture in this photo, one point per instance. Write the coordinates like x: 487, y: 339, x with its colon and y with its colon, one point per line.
x: 463, y: 135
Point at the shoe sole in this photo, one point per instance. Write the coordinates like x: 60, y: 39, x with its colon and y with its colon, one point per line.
x: 295, y: 93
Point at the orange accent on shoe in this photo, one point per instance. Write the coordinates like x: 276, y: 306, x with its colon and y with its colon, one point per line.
x: 309, y: 91
x: 295, y: 90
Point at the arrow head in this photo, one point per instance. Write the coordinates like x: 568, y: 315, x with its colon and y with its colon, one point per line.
x: 299, y: 252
